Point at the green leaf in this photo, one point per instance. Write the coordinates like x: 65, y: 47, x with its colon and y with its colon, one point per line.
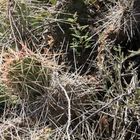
x: 71, y: 20
x: 89, y: 38
x: 83, y: 27
x: 76, y: 35
x: 53, y: 2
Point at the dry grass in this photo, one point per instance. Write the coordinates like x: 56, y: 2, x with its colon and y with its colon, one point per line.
x: 44, y: 97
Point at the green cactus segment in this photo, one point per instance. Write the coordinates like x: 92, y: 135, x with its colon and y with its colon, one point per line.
x: 29, y: 77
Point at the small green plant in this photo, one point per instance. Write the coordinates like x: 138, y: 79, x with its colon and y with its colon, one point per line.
x: 81, y: 38
x: 53, y: 2
x: 6, y: 98
x: 29, y: 76
x: 3, y: 96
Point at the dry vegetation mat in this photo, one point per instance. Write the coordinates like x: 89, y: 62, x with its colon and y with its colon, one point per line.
x: 69, y: 69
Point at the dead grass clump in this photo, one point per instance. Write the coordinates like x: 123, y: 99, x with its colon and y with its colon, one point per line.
x: 50, y: 96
